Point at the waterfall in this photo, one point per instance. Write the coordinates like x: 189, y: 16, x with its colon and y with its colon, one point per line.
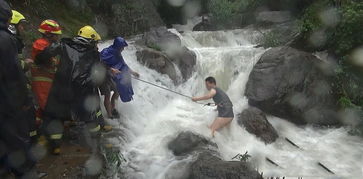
x: 156, y: 116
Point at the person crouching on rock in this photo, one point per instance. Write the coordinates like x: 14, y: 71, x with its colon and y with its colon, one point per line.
x: 222, y: 101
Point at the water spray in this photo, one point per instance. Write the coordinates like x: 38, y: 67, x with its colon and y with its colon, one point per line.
x: 319, y: 163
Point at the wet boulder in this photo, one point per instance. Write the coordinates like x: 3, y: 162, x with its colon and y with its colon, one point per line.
x: 161, y: 37
x: 294, y: 85
x: 189, y: 142
x: 165, y: 43
x: 255, y: 122
x: 205, y: 25
x: 208, y: 166
x: 185, y: 59
x: 158, y: 61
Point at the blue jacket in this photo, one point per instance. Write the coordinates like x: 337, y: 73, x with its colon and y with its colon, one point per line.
x: 112, y: 57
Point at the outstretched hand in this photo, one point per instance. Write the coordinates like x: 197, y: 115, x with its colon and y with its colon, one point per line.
x: 137, y: 75
x: 194, y: 99
x: 29, y: 61
x: 115, y: 71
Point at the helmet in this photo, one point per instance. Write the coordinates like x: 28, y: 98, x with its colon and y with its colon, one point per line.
x: 17, y: 17
x: 89, y: 33
x: 51, y: 27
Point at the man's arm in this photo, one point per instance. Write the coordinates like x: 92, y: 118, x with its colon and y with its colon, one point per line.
x: 210, y: 95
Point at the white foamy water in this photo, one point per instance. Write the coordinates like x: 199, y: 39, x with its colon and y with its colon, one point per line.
x: 156, y: 116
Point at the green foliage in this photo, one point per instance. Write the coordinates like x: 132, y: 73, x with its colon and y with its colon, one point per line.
x: 113, y: 158
x: 271, y: 39
x: 347, y: 35
x: 224, y: 11
x: 342, y: 37
x: 154, y: 46
x: 347, y: 87
x: 345, y: 102
x: 242, y: 157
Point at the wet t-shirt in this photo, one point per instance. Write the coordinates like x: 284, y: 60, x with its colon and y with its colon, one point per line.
x: 221, y: 98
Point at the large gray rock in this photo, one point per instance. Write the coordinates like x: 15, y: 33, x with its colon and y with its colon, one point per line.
x: 158, y: 61
x: 255, y: 122
x: 294, y: 85
x: 167, y: 44
x: 282, y: 34
x: 188, y: 142
x: 272, y: 17
x: 208, y: 166
x: 161, y: 38
x: 185, y: 60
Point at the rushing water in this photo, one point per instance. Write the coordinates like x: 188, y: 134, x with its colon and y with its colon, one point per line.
x: 157, y: 116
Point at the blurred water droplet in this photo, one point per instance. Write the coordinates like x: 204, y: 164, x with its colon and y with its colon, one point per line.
x: 321, y: 88
x: 176, y: 3
x: 38, y: 152
x: 16, y: 158
x: 312, y: 116
x: 298, y: 100
x: 350, y: 116
x: 55, y: 127
x: 191, y: 9
x: 98, y: 74
x: 93, y: 166
x: 91, y: 103
x: 357, y: 56
x: 318, y: 38
x: 329, y: 17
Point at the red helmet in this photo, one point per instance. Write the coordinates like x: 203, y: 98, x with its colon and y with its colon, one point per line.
x: 51, y: 27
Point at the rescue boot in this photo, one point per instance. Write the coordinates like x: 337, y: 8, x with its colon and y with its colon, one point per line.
x: 106, y: 128
x: 56, y: 151
x: 115, y: 113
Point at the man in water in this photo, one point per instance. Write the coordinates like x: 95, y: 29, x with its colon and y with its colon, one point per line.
x: 222, y: 101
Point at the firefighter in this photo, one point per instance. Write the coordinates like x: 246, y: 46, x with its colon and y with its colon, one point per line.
x: 14, y: 104
x: 43, y: 70
x: 17, y: 28
x: 76, y: 83
x: 50, y: 31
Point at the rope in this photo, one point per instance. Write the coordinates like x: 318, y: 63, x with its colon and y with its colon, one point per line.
x: 167, y: 89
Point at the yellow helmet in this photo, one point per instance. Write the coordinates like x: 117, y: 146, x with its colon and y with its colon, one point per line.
x: 17, y: 17
x: 89, y: 33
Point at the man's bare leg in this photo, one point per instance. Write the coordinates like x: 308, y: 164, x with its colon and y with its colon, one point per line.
x: 115, y: 96
x: 219, y: 123
x: 108, y: 105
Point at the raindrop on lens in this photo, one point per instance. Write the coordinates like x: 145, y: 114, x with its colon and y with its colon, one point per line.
x: 93, y: 166
x: 357, y: 56
x: 350, y: 116
x: 318, y: 38
x: 98, y: 74
x: 176, y: 3
x: 329, y: 17
x: 191, y: 9
x: 16, y: 158
x: 91, y: 103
